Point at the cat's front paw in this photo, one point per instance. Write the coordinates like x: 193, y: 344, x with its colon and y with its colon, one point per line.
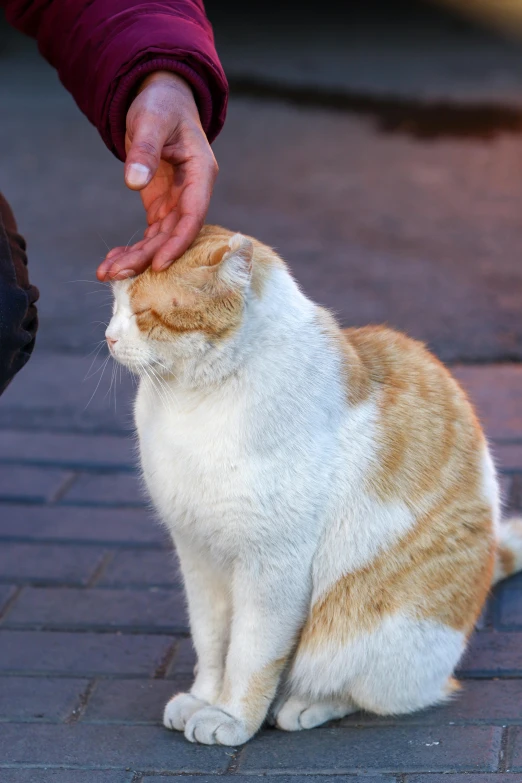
x: 213, y: 726
x: 180, y: 709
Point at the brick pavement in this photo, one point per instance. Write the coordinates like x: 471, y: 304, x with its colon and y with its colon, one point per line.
x: 94, y: 639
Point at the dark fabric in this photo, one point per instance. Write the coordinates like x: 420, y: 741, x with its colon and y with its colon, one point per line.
x: 18, y: 316
x: 102, y: 49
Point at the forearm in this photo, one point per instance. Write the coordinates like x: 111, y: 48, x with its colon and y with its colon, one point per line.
x: 104, y: 49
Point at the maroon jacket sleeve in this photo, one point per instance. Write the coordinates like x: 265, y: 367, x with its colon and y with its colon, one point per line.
x: 103, y: 48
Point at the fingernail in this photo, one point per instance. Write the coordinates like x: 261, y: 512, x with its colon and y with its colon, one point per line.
x: 126, y: 273
x: 137, y: 175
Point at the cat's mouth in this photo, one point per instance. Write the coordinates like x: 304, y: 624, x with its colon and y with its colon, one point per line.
x: 137, y: 364
x: 122, y: 357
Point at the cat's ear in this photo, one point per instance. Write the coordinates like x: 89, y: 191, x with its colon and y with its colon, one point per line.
x: 231, y: 264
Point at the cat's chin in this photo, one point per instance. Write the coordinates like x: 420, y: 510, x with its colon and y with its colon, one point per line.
x: 143, y: 369
x: 135, y: 367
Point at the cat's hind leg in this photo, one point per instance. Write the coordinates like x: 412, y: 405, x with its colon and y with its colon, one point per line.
x: 297, y: 713
x: 401, y: 666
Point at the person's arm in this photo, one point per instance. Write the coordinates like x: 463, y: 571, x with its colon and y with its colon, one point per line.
x: 108, y: 51
x: 103, y: 49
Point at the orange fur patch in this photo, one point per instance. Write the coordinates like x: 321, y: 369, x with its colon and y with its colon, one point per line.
x: 430, y: 450
x: 183, y: 298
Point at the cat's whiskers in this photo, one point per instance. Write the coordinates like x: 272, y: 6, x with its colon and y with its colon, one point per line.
x: 162, y: 391
x: 168, y: 391
x: 97, y: 349
x: 152, y: 379
x: 108, y: 392
x: 99, y: 381
x: 104, y: 242
x: 91, y: 282
x: 130, y: 240
x: 166, y: 394
x: 100, y: 291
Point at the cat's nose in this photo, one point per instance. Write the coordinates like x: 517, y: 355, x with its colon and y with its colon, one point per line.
x: 111, y: 342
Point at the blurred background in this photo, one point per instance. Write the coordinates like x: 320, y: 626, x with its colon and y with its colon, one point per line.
x: 376, y: 144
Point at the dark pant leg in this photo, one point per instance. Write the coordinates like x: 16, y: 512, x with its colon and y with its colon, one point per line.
x: 18, y: 316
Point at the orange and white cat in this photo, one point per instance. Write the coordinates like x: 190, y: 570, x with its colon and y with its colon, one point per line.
x: 330, y: 494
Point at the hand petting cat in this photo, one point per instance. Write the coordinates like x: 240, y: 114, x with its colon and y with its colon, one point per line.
x: 169, y: 160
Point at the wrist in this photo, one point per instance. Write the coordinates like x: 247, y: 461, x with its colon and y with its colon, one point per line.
x: 166, y: 79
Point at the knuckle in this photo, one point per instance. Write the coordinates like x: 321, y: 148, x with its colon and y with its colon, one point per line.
x: 146, y: 148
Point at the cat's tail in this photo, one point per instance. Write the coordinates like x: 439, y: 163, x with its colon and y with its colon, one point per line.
x: 509, y: 553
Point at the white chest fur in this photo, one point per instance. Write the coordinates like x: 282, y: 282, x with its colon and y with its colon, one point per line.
x: 193, y: 461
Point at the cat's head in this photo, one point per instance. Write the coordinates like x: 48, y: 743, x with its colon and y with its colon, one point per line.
x: 161, y: 319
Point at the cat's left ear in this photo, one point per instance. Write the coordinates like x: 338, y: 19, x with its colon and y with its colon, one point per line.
x: 232, y: 263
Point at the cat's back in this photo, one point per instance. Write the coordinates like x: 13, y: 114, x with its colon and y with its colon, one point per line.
x: 423, y: 410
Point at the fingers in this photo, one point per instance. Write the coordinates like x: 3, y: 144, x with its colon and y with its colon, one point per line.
x: 121, y: 263
x: 179, y: 240
x: 114, y: 262
x: 192, y: 210
x: 149, y: 135
x: 106, y: 264
x: 124, y: 262
x: 165, y: 240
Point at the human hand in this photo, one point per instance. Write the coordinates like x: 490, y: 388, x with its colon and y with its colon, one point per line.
x: 170, y: 161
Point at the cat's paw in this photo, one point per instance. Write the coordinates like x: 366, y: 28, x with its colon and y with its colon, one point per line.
x: 180, y: 709
x: 213, y: 726
x: 295, y: 714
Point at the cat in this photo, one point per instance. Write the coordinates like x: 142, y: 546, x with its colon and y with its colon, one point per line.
x: 330, y: 494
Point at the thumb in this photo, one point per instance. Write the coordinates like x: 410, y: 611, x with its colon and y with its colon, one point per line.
x: 144, y: 151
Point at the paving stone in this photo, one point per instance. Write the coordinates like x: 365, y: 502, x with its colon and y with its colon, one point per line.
x: 516, y: 496
x: 143, y: 748
x: 30, y: 485
x: 33, y: 699
x: 184, y: 659
x: 493, y: 654
x: 487, y: 702
x: 73, y: 451
x: 485, y: 619
x: 70, y: 525
x: 65, y: 398
x: 361, y: 218
x: 500, y: 412
x: 514, y: 751
x: 448, y: 778
x: 98, y: 609
x: 48, y: 563
x: 513, y: 582
x: 105, y: 490
x: 284, y: 779
x: 64, y: 776
x: 142, y: 567
x: 374, y: 48
x: 510, y: 607
x: 508, y: 456
x: 132, y: 701
x: 506, y: 484
x: 82, y: 654
x: 6, y: 593
x: 386, y: 749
